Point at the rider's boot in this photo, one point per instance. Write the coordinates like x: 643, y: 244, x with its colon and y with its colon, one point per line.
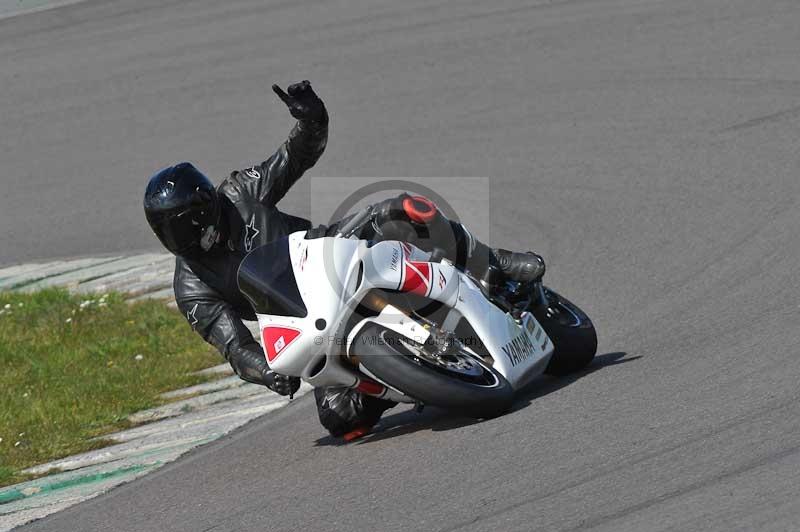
x: 514, y: 265
x: 348, y: 413
x: 521, y: 267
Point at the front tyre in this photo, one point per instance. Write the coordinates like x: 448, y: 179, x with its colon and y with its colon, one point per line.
x: 456, y: 380
x: 571, y: 332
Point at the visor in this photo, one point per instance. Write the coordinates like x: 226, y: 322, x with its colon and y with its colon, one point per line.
x: 179, y: 233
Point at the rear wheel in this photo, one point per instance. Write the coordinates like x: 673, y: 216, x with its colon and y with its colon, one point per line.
x: 453, y: 378
x: 571, y: 331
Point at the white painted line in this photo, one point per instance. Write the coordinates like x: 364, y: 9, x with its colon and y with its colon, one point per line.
x: 10, y: 10
x: 206, y: 387
x: 53, y: 268
x: 164, y: 293
x: 222, y: 369
x: 196, y: 403
x: 222, y: 413
x: 101, y: 270
x: 112, y: 455
x: 162, y: 269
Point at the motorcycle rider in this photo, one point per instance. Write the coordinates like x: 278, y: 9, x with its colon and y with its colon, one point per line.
x: 211, y: 229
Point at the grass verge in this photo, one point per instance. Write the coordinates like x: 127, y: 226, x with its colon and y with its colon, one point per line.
x: 74, y: 368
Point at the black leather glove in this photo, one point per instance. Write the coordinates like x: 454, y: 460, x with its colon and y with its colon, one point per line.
x: 303, y: 102
x: 280, y: 384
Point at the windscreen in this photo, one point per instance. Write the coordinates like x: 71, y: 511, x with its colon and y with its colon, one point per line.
x: 266, y: 279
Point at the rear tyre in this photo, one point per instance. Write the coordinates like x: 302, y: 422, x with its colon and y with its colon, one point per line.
x: 458, y: 381
x: 571, y: 332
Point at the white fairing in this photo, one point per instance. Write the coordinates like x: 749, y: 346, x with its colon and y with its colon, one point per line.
x: 520, y: 352
x: 325, y: 270
x: 334, y: 274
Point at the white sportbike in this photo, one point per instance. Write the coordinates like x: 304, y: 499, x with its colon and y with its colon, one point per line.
x: 389, y: 320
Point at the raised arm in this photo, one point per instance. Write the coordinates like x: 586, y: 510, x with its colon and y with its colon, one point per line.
x: 272, y: 179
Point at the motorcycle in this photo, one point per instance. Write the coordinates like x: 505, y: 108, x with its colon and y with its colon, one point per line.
x: 396, y: 322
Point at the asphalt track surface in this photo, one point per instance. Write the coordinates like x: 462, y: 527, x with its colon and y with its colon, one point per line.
x: 647, y: 148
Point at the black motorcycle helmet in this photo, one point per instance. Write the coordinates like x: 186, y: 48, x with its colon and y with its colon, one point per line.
x: 182, y: 208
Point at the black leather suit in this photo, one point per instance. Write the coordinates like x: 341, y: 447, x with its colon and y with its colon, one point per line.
x: 206, y: 289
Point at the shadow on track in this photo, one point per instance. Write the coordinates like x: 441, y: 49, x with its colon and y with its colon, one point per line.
x: 435, y: 419
x: 545, y: 384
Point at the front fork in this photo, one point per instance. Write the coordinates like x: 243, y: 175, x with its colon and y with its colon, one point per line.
x: 392, y: 318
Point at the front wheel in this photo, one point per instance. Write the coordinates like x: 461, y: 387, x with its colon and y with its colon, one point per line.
x: 455, y: 379
x: 570, y: 330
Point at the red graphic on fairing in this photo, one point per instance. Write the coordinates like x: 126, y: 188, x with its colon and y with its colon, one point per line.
x: 416, y: 278
x: 277, y: 339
